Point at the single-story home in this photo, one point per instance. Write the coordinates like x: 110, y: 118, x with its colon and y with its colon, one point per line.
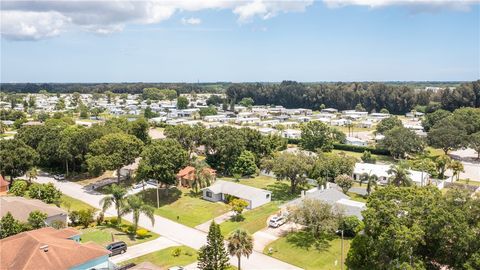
x: 381, y: 171
x: 355, y: 141
x: 332, y: 196
x: 186, y: 176
x: 20, y: 208
x: 4, y: 184
x: 292, y: 134
x: 221, y: 189
x: 48, y: 248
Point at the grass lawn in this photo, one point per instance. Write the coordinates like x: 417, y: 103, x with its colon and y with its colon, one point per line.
x: 164, y: 258
x: 357, y: 197
x: 254, y: 220
x: 380, y: 158
x: 471, y: 182
x: 294, y: 250
x: 261, y: 181
x: 280, y: 189
x: 71, y: 204
x: 191, y: 209
x: 434, y: 151
x: 102, y: 235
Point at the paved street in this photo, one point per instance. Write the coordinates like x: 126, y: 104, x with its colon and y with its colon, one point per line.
x: 144, y: 248
x: 173, y: 231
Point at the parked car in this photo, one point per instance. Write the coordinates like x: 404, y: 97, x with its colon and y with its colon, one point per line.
x: 276, y: 221
x: 117, y: 248
x: 59, y: 177
x: 139, y: 185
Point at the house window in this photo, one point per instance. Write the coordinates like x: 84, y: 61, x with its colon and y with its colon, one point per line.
x: 268, y: 196
x: 208, y: 194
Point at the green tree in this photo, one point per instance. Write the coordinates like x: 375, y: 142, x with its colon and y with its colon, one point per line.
x: 213, y: 255
x: 247, y: 102
x: 474, y: 142
x: 210, y: 110
x: 240, y: 243
x: 113, y: 151
x: 431, y: 119
x: 345, y: 182
x: 370, y: 179
x: 318, y: 217
x: 47, y: 193
x: 36, y: 219
x: 368, y: 158
x: 291, y: 166
x: 329, y: 165
x: 400, y: 176
x: 19, y: 188
x: 116, y: 197
x: 442, y: 163
x: 137, y: 206
x: 9, y: 226
x: 387, y: 124
x: 447, y: 134
x: 238, y: 205
x: 148, y: 113
x: 16, y: 158
x: 316, y: 136
x: 351, y: 226
x: 401, y: 142
x: 245, y: 164
x: 190, y: 137
x: 139, y: 128
x: 182, y: 103
x: 456, y: 167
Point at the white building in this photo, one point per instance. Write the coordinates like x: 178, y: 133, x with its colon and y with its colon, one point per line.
x: 292, y: 134
x: 355, y: 141
x: 220, y: 190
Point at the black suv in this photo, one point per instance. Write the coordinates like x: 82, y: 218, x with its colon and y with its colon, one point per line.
x: 117, y: 248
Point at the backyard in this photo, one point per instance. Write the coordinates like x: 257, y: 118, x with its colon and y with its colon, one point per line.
x: 165, y: 258
x: 254, y: 220
x: 183, y: 206
x: 297, y: 249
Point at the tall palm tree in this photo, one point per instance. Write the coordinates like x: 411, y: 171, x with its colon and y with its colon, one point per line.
x: 137, y: 206
x: 399, y: 176
x: 240, y: 243
x: 457, y: 167
x: 117, y: 198
x: 371, y: 182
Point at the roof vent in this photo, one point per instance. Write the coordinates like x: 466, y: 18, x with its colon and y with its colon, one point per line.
x: 44, y: 248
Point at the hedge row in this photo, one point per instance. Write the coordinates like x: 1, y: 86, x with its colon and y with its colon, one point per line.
x: 361, y: 149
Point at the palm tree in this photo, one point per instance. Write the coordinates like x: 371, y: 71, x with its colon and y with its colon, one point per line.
x: 202, y: 177
x: 240, y: 243
x: 363, y: 178
x: 456, y: 167
x: 117, y: 198
x: 32, y: 174
x: 399, y: 176
x: 371, y: 182
x: 137, y: 206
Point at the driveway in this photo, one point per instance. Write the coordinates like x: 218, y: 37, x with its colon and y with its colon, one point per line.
x: 144, y: 248
x: 173, y: 231
x: 268, y: 235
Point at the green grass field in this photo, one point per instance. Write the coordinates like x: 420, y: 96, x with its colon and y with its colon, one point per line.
x: 165, y: 259
x: 254, y: 220
x: 190, y: 208
x: 293, y: 249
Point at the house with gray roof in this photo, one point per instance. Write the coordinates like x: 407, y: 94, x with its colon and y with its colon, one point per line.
x: 220, y: 190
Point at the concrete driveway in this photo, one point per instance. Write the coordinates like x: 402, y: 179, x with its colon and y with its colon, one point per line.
x: 144, y: 248
x: 173, y: 231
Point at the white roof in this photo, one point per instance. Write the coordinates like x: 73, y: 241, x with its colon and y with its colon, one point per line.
x: 237, y: 190
x: 381, y: 170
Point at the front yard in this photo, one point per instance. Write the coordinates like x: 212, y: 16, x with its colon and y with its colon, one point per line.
x: 165, y: 258
x: 183, y: 206
x: 295, y: 249
x: 107, y: 233
x: 71, y: 204
x: 254, y: 220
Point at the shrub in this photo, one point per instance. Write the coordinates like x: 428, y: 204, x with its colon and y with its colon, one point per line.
x: 361, y: 149
x: 100, y: 218
x: 188, y: 253
x: 141, y: 233
x: 113, y: 221
x: 176, y: 252
x: 129, y: 229
x: 83, y: 217
x: 45, y: 192
x: 351, y: 226
x: 19, y: 188
x: 58, y: 224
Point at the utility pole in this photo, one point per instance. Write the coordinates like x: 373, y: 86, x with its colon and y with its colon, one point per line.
x: 341, y: 262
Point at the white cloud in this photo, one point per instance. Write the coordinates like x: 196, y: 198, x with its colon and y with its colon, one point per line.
x: 268, y: 9
x: 32, y: 25
x: 417, y: 5
x: 191, y: 21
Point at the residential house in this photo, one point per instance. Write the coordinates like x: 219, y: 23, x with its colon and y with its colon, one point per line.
x: 329, y: 111
x: 355, y: 141
x: 4, y: 185
x: 20, y: 208
x: 48, y: 248
x: 186, y: 176
x: 333, y: 196
x: 292, y: 134
x: 221, y: 190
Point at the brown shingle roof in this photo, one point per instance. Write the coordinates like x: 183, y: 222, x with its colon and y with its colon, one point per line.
x: 189, y: 172
x: 3, y: 182
x: 20, y: 207
x: 27, y: 251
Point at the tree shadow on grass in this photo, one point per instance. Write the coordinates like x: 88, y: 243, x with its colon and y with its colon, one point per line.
x: 281, y: 191
x: 165, y: 197
x: 306, y: 240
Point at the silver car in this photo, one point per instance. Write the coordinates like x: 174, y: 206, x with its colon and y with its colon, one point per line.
x: 276, y: 221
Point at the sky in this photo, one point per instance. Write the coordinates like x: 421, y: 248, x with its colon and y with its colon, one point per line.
x: 239, y: 41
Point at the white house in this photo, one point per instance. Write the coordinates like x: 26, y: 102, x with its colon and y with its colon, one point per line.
x: 355, y: 141
x: 292, y: 134
x: 381, y: 171
x: 329, y: 110
x: 218, y: 191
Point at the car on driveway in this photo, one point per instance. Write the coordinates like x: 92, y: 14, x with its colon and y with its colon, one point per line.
x: 138, y: 185
x: 276, y: 221
x: 59, y: 177
x: 117, y: 248
x: 152, y: 182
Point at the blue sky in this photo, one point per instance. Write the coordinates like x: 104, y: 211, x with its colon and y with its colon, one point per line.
x: 316, y: 42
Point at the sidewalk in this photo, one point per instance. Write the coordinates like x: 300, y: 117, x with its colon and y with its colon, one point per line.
x: 144, y: 248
